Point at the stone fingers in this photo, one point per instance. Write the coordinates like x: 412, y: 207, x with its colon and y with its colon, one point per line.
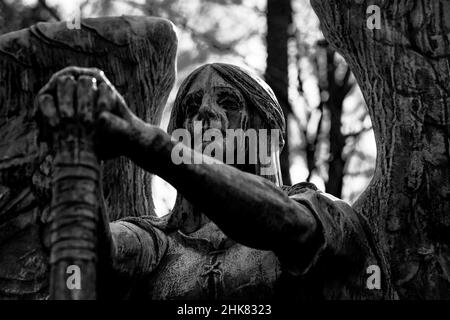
x: 75, y: 72
x: 86, y: 98
x: 48, y: 109
x: 72, y: 102
x: 65, y: 91
x: 106, y: 98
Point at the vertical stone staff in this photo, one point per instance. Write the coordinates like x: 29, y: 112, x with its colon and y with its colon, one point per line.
x: 74, y: 221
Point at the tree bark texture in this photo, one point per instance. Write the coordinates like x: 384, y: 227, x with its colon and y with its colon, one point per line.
x: 404, y: 72
x: 138, y: 56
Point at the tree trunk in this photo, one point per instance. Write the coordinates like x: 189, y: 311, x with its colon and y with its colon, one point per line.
x: 279, y: 19
x: 336, y: 162
x: 137, y: 54
x: 404, y: 72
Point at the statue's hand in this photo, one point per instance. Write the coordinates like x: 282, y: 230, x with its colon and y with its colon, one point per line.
x: 80, y: 104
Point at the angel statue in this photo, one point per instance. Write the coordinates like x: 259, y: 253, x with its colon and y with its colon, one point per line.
x: 235, y: 231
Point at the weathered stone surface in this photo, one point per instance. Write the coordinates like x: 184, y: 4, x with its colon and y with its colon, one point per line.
x: 138, y: 55
x: 403, y: 70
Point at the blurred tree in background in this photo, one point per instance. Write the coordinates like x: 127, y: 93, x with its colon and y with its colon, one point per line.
x: 329, y: 131
x: 15, y: 15
x: 279, y: 17
x: 335, y: 83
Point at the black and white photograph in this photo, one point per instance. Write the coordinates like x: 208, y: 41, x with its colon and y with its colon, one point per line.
x: 222, y: 156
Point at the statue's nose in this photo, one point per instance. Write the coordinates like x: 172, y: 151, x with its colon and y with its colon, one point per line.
x: 207, y: 112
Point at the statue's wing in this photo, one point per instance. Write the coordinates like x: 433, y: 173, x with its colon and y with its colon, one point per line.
x: 138, y: 55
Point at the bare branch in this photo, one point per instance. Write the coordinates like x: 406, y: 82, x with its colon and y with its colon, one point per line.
x: 367, y: 173
x: 357, y: 134
x: 347, y: 76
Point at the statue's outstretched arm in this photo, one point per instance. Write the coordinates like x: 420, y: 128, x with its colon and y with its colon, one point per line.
x: 248, y: 208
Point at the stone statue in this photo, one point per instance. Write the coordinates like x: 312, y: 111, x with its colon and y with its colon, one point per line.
x: 234, y: 233
x: 82, y: 198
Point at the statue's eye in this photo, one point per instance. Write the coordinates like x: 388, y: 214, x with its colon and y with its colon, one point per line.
x: 229, y: 102
x: 192, y: 106
x: 192, y: 109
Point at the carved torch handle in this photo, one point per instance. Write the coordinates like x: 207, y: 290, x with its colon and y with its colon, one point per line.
x: 74, y: 222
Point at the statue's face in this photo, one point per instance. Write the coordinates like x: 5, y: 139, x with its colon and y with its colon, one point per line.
x: 220, y: 105
x: 214, y: 102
